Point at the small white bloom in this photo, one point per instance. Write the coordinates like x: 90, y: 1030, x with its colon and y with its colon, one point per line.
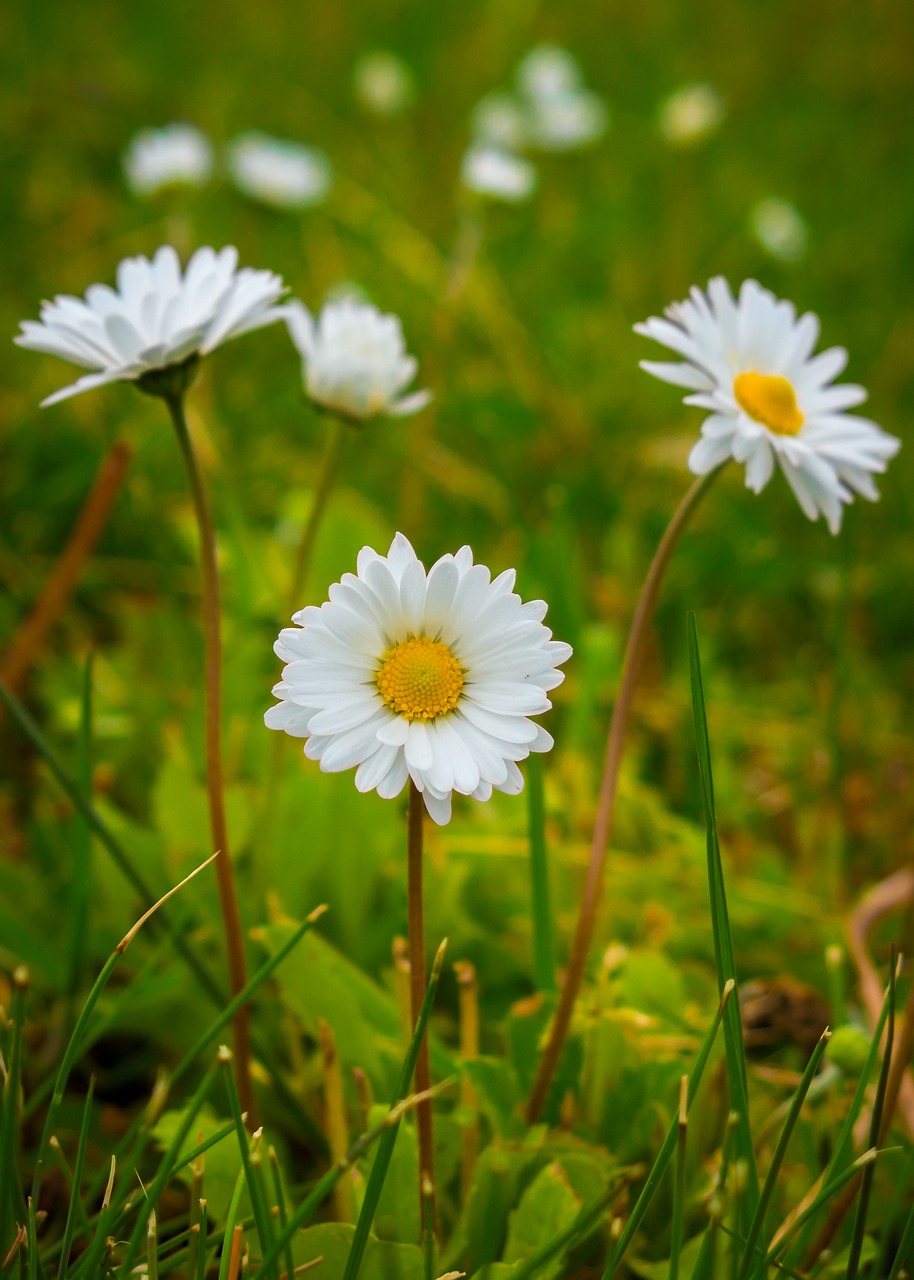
x: 177, y: 155
x: 156, y: 317
x: 567, y: 121
x: 431, y: 676
x: 749, y: 362
x: 780, y: 229
x: 491, y: 172
x: 383, y: 83
x: 548, y: 71
x: 284, y: 174
x: 499, y: 120
x: 690, y: 114
x: 355, y: 361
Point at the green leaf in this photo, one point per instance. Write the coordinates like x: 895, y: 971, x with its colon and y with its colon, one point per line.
x: 383, y: 1260
x: 547, y: 1206
x: 397, y: 1214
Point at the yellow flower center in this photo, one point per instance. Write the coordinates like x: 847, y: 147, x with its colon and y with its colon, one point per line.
x: 420, y: 679
x: 770, y: 400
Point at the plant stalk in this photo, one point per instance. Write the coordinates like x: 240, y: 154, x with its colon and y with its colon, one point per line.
x: 602, y: 832
x: 417, y: 984
x: 329, y: 465
x: 215, y: 785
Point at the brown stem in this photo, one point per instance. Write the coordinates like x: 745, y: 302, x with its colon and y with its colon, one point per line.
x: 65, y: 574
x: 593, y: 884
x: 225, y: 876
x: 418, y: 979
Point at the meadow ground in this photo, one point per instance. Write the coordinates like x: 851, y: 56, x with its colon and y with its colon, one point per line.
x: 547, y: 449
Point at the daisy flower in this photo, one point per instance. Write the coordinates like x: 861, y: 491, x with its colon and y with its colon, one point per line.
x: 749, y: 361
x: 497, y: 174
x: 284, y: 174
x: 157, y: 317
x: 430, y: 676
x: 354, y: 360
x: 178, y: 155
x: 691, y: 114
x: 383, y: 83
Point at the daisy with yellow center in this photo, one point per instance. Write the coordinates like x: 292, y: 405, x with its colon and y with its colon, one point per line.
x: 749, y: 361
x: 432, y: 676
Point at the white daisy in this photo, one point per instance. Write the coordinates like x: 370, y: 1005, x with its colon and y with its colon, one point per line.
x: 383, y: 83
x: 497, y: 174
x: 354, y: 358
x: 567, y: 121
x: 547, y: 71
x: 284, y: 174
x: 780, y: 229
x: 431, y: 676
x: 156, y: 318
x: 749, y: 361
x: 690, y: 114
x: 178, y: 155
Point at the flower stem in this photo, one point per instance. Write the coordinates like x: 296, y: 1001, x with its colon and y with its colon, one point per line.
x: 416, y: 923
x: 329, y: 465
x: 225, y: 878
x: 618, y: 727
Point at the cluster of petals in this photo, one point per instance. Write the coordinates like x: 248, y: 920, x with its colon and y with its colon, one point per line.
x: 828, y: 454
x: 156, y: 317
x: 329, y: 689
x: 176, y: 155
x: 354, y: 360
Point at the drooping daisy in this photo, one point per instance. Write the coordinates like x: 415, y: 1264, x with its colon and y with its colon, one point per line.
x: 749, y: 362
x: 497, y: 174
x: 156, y: 318
x: 430, y: 676
x: 284, y: 174
x: 178, y: 155
x: 355, y: 362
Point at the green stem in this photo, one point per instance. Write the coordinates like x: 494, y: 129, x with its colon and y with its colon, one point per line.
x: 215, y: 786
x: 323, y: 484
x: 593, y: 884
x: 417, y: 987
x: 543, y: 949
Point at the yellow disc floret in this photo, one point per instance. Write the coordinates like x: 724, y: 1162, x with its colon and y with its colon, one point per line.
x: 420, y: 679
x: 769, y: 399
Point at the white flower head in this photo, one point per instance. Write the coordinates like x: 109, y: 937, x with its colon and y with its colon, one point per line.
x: 499, y: 121
x: 690, y: 114
x: 567, y: 121
x: 286, y: 175
x: 780, y: 229
x: 383, y: 83
x: 431, y: 676
x: 355, y: 362
x: 498, y: 174
x: 548, y: 71
x: 157, y: 317
x: 749, y: 362
x: 178, y: 155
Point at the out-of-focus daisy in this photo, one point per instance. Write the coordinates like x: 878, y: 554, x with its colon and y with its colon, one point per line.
x: 499, y: 121
x: 156, y: 318
x: 690, y: 114
x: 383, y: 83
x: 178, y: 155
x: 355, y: 362
x: 284, y: 174
x: 749, y: 362
x: 567, y: 121
x: 780, y: 229
x: 498, y: 174
x: 430, y: 676
x: 548, y: 71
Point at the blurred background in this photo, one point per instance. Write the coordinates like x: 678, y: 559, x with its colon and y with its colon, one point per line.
x: 768, y: 140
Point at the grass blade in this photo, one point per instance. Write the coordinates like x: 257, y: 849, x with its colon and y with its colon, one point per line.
x: 679, y: 1182
x: 72, y: 1208
x: 723, y: 943
x: 11, y: 1194
x: 388, y: 1139
x: 255, y: 1187
x: 81, y: 846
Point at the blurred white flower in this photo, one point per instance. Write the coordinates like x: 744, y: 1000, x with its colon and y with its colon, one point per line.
x: 285, y: 174
x: 177, y: 155
x: 499, y: 120
x: 430, y: 676
x: 749, y: 362
x: 354, y: 358
x: 383, y: 83
x: 780, y: 229
x: 690, y: 114
x: 548, y: 71
x: 567, y: 121
x: 156, y: 318
x: 491, y: 172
